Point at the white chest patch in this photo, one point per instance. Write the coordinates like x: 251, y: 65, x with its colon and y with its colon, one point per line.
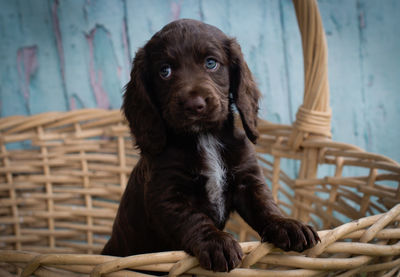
x: 210, y: 148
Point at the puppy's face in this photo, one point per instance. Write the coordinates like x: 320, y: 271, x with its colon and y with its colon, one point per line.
x: 185, y: 79
x: 189, y: 72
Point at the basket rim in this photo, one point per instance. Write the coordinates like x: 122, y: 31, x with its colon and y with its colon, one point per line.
x: 16, y: 125
x: 179, y: 262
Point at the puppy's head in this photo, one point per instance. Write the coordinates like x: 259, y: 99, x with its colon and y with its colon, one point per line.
x: 185, y: 79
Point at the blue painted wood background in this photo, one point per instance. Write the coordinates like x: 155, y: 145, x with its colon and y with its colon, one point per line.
x: 62, y: 55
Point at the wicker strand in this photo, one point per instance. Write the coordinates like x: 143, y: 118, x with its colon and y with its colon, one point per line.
x: 309, y: 121
x: 254, y: 256
x: 381, y: 221
x: 49, y: 189
x: 127, y: 262
x: 334, y: 191
x: 313, y: 117
x: 88, y: 198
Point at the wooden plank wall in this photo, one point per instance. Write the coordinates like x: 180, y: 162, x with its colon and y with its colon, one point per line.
x: 72, y: 54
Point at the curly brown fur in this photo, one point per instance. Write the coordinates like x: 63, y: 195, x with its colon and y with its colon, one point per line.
x: 195, y: 167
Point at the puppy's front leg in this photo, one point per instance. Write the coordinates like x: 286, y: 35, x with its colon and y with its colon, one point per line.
x: 254, y: 202
x: 187, y: 228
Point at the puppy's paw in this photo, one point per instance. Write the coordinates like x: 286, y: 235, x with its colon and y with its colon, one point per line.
x: 290, y: 235
x: 219, y: 252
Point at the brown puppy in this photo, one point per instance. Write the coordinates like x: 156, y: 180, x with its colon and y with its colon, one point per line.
x: 195, y: 166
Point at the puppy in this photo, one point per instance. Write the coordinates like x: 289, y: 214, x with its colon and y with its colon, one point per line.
x: 196, y: 167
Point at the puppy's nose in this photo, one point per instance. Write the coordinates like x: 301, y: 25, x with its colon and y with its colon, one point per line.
x: 195, y: 105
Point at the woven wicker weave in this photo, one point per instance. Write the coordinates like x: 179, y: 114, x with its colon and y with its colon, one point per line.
x: 62, y: 175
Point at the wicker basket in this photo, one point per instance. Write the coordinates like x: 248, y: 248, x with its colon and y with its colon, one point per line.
x: 62, y: 175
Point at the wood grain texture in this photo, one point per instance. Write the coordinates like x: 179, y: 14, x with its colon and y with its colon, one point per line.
x: 63, y: 55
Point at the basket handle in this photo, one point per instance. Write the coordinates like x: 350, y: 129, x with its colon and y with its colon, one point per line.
x: 314, y: 115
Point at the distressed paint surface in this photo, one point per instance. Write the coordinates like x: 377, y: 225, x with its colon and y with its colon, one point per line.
x: 62, y: 55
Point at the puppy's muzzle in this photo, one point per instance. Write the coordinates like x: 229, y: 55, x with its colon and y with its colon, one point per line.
x: 195, y: 106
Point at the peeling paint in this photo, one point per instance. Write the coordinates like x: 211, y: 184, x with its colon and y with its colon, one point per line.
x: 72, y: 103
x: 96, y: 76
x: 57, y: 34
x: 75, y: 102
x: 119, y: 72
x: 361, y: 15
x: 27, y: 66
x: 176, y: 10
x: 336, y: 23
x: 201, y: 11
x: 370, y: 81
x: 361, y: 20
x: 125, y: 41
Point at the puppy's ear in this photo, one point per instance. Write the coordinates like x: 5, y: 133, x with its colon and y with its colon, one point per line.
x: 144, y: 119
x: 243, y: 89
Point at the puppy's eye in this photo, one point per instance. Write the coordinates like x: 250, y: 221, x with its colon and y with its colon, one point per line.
x: 165, y: 71
x: 211, y: 64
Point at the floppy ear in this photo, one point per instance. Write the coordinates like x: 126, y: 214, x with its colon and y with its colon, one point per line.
x: 243, y: 89
x: 144, y: 119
